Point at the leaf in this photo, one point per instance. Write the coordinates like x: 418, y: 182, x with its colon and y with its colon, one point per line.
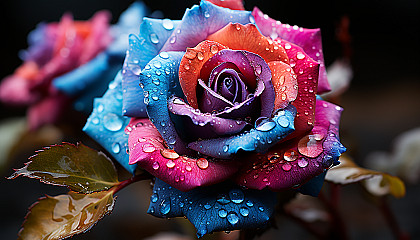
x: 80, y: 168
x: 65, y: 215
x: 376, y: 183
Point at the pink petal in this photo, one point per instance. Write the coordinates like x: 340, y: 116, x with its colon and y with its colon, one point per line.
x: 231, y: 4
x: 149, y: 151
x: 309, y: 39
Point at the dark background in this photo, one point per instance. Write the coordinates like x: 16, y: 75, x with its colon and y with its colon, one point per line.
x: 382, y: 101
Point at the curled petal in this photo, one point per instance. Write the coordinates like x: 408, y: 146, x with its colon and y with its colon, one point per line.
x: 204, y: 125
x: 201, y: 21
x: 247, y: 37
x: 231, y: 4
x: 290, y: 164
x: 308, y: 39
x: 149, y: 151
x: 284, y: 83
x: 307, y: 71
x: 215, y: 208
x: 106, y: 124
x: 259, y: 139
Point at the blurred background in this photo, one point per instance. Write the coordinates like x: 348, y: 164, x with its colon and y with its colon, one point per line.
x: 381, y: 103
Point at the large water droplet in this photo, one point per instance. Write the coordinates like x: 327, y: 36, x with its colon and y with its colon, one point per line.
x: 112, y: 122
x: 167, y: 24
x: 232, y: 218
x: 302, y: 162
x: 300, y: 56
x: 164, y: 55
x: 266, y: 125
x: 290, y: 155
x: 116, y: 148
x: 283, y: 121
x: 223, y: 199
x: 244, y: 211
x: 170, y: 164
x: 214, y: 49
x: 222, y: 213
x: 154, y: 198
x: 202, y: 163
x: 236, y: 196
x: 148, y: 148
x: 154, y: 38
x: 165, y: 207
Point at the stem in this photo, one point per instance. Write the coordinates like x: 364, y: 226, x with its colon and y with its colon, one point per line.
x: 391, y: 220
x: 131, y: 180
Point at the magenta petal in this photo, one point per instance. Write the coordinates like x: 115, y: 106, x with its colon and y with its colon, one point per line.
x: 289, y: 165
x: 149, y: 151
x: 204, y: 125
x: 15, y: 90
x: 309, y: 39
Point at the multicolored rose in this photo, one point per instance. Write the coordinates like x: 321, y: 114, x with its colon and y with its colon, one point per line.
x: 222, y: 108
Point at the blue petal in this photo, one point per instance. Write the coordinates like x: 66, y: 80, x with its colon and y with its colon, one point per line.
x: 142, y: 49
x: 129, y: 22
x: 313, y: 186
x: 201, y: 21
x: 259, y: 139
x: 160, y: 81
x: 106, y: 124
x: 216, y: 208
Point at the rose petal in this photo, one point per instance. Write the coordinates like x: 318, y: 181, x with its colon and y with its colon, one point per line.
x: 284, y: 83
x: 106, y: 124
x: 231, y: 4
x: 41, y: 44
x: 290, y: 164
x: 265, y: 135
x: 247, y: 37
x: 216, y: 208
x: 15, y: 90
x: 203, y: 125
x: 148, y: 149
x: 309, y: 39
x: 160, y: 80
x: 306, y: 70
x: 201, y: 21
x: 142, y: 49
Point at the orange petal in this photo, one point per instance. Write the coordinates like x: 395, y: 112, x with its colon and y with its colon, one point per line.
x: 247, y: 37
x: 28, y: 70
x: 191, y: 64
x: 284, y: 82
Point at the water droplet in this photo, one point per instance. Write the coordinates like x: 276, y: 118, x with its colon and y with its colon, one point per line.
x: 283, y: 121
x: 266, y: 125
x: 200, y: 56
x: 154, y: 198
x: 236, y: 196
x: 300, y: 56
x: 188, y: 168
x: 187, y: 67
x: 167, y: 24
x: 112, y: 122
x: 155, y: 165
x: 225, y: 148
x: 148, y: 148
x: 165, y: 207
x: 164, y: 55
x: 232, y: 218
x: 261, y: 208
x: 170, y: 164
x: 258, y: 69
x: 214, y: 49
x: 238, y: 27
x: 190, y: 53
x: 302, y: 162
x: 154, y: 38
x: 286, y: 167
x: 290, y: 155
x: 202, y: 163
x: 207, y: 206
x: 168, y: 153
x: 244, y: 211
x: 223, y: 199
x: 116, y: 148
x: 172, y: 40
x: 206, y: 14
x: 100, y: 108
x: 249, y: 203
x: 157, y: 64
x: 95, y: 120
x: 222, y: 213
x: 287, y: 46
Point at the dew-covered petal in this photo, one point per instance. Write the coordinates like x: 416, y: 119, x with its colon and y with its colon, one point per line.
x: 306, y: 70
x: 48, y: 110
x: 231, y: 4
x: 267, y: 132
x: 201, y: 21
x: 203, y: 125
x: 142, y: 49
x: 160, y: 81
x: 308, y: 39
x: 190, y: 67
x: 106, y: 124
x: 247, y: 37
x: 293, y: 163
x: 149, y: 151
x: 223, y: 207
x: 284, y: 83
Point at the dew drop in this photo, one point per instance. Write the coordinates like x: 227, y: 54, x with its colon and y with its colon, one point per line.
x: 190, y: 54
x: 302, y: 162
x: 287, y: 46
x: 155, y: 165
x: 283, y: 121
x: 164, y: 55
x: 236, y: 196
x: 200, y: 56
x: 300, y: 56
x: 214, y: 49
x: 223, y: 199
x: 202, y: 163
x: 157, y: 64
x: 266, y: 125
x: 222, y: 213
x: 207, y: 206
x: 261, y: 208
x: 172, y: 40
x: 232, y: 218
x: 249, y: 203
x: 225, y: 148
x: 286, y: 167
x: 290, y: 155
x: 116, y: 148
x: 154, y: 38
x: 206, y: 14
x: 167, y: 24
x: 148, y: 148
x: 244, y: 211
x: 168, y: 153
x: 95, y: 120
x: 112, y: 122
x: 154, y: 198
x: 170, y: 163
x: 258, y: 69
x: 100, y: 108
x: 165, y: 207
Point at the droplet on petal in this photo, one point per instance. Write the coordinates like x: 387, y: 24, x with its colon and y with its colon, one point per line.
x: 170, y: 164
x: 290, y: 155
x: 202, y: 163
x: 112, y: 122
x: 154, y: 38
x: 302, y: 162
x: 309, y: 146
x: 168, y: 153
x: 232, y: 218
x: 214, y: 49
x: 167, y: 24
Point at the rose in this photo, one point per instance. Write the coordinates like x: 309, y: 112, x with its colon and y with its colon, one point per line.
x: 190, y: 130
x: 64, y: 60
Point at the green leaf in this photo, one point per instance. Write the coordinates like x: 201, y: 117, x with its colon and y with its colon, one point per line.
x: 80, y: 168
x: 377, y: 183
x: 65, y: 215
